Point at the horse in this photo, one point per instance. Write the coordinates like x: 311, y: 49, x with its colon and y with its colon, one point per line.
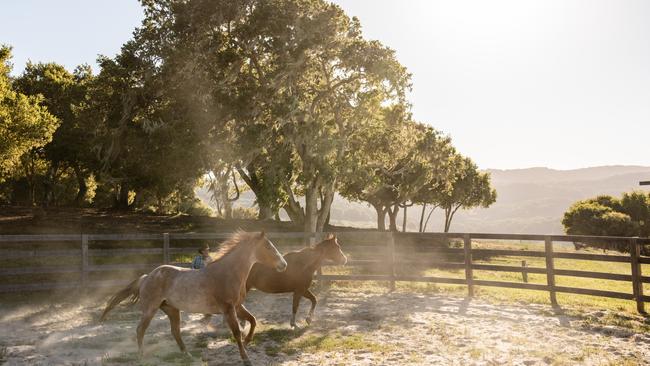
x: 219, y: 288
x: 299, y: 274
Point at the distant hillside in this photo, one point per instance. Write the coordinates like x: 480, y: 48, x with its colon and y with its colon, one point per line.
x: 529, y: 200
x: 534, y: 200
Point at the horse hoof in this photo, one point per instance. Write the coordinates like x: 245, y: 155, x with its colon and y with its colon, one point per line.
x: 308, y: 320
x: 248, y: 363
x: 187, y: 354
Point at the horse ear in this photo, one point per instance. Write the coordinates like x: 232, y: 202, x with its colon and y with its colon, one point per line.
x: 263, y: 234
x: 330, y: 236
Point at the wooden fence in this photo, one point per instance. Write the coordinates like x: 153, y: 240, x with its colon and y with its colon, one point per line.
x: 384, y: 246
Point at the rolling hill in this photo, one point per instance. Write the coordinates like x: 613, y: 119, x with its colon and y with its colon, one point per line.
x: 529, y: 200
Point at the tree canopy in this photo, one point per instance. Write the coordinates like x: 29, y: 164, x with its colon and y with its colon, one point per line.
x: 25, y: 123
x: 610, y: 216
x: 286, y: 97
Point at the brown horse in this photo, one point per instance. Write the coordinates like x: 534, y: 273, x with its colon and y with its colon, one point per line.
x: 299, y: 274
x: 219, y: 288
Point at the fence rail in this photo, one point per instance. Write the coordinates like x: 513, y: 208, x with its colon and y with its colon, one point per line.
x: 389, y: 258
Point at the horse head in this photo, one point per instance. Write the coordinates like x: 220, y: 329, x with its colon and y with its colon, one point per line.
x: 332, y: 250
x: 267, y: 254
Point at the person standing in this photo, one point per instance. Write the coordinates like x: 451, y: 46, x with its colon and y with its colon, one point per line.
x: 203, y: 258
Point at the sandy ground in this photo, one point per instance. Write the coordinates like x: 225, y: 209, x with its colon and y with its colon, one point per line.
x: 351, y: 328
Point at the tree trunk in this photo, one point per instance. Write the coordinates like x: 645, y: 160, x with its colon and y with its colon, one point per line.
x: 265, y: 207
x: 404, y: 220
x: 449, y: 215
x: 426, y: 222
x: 223, y: 192
x: 327, y: 221
x: 122, y: 198
x: 311, y: 210
x: 381, y: 217
x: 265, y: 212
x: 424, y: 208
x: 159, y: 208
x: 82, y: 187
x: 30, y: 178
x: 392, y: 218
x: 227, y: 210
x: 293, y: 208
x: 325, y: 206
x: 48, y: 184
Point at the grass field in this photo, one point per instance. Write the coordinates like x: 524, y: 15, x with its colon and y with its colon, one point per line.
x: 571, y: 301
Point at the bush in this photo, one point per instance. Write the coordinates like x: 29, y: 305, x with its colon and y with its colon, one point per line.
x: 198, y: 208
x: 608, y: 216
x: 244, y: 213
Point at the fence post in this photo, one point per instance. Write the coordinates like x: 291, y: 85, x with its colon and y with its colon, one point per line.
x: 391, y: 259
x: 550, y: 268
x: 469, y: 272
x: 84, y: 260
x: 524, y: 273
x: 637, y: 285
x: 166, y: 258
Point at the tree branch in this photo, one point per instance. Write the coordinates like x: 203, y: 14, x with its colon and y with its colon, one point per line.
x: 234, y: 182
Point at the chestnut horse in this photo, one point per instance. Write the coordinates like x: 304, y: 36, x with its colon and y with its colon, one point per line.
x: 219, y: 288
x: 299, y: 274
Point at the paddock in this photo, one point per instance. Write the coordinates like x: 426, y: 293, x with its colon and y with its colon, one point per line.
x: 369, y: 327
x: 408, y: 299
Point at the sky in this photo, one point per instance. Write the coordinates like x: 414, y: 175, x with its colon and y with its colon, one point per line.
x: 516, y: 83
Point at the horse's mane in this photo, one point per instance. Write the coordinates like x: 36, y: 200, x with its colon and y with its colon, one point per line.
x: 238, y: 237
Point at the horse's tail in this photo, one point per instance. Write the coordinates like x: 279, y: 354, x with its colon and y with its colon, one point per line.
x: 132, y: 290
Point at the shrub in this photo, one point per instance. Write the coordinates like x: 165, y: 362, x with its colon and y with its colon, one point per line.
x: 246, y: 213
x: 609, y: 216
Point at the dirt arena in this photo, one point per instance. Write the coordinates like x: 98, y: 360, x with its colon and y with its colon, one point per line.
x: 351, y: 328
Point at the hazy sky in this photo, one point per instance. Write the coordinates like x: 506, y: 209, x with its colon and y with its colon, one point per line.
x: 563, y: 83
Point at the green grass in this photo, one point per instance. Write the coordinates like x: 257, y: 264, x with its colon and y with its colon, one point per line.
x: 496, y: 294
x: 292, y: 341
x: 564, y: 299
x: 277, y: 335
x: 179, y: 358
x: 330, y: 343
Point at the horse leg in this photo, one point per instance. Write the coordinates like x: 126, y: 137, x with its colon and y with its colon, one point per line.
x: 310, y: 295
x: 231, y: 317
x: 296, y: 302
x: 147, y: 314
x: 174, y: 316
x: 243, y: 313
